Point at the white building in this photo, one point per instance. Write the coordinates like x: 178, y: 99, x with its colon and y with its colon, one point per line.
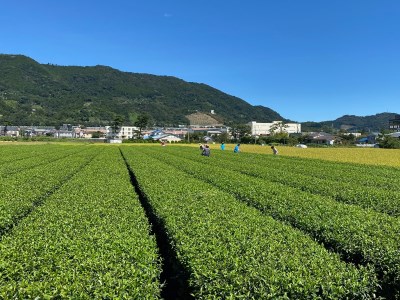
x: 265, y: 128
x: 124, y: 132
x: 64, y: 134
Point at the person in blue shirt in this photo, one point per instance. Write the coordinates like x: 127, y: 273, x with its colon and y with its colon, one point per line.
x: 236, y: 149
x: 222, y: 146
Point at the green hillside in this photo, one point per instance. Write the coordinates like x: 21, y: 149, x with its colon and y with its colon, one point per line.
x: 352, y: 123
x: 39, y: 94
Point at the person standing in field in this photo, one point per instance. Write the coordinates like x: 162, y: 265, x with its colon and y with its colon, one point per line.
x: 222, y: 146
x: 206, y: 151
x: 236, y: 149
x: 274, y: 150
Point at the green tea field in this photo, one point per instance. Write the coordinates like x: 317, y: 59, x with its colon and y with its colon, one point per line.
x: 149, y: 222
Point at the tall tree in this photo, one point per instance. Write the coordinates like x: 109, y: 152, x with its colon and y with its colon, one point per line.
x: 239, y: 131
x: 386, y: 141
x: 278, y: 128
x: 142, y: 122
x: 5, y: 129
x: 116, y: 125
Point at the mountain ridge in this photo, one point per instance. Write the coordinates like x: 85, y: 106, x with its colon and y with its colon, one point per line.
x: 48, y: 94
x: 352, y: 123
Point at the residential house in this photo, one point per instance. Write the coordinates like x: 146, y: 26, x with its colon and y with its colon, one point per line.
x: 395, y: 135
x: 30, y: 131
x: 153, y: 134
x: 165, y: 137
x: 9, y: 131
x: 369, y: 139
x: 39, y: 130
x: 209, y: 131
x: 179, y: 132
x: 355, y: 134
x: 321, y: 138
x: 89, y: 131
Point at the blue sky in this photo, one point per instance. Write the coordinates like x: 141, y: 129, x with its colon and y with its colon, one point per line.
x: 310, y: 60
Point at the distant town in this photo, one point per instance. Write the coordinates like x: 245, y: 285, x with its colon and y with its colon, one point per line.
x: 253, y: 132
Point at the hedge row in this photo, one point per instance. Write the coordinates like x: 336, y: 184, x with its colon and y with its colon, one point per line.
x: 21, y: 192
x: 233, y: 251
x: 356, y: 233
x: 40, y: 155
x: 89, y: 240
x: 351, y: 191
x: 376, y: 176
x: 12, y: 152
x: 359, y: 188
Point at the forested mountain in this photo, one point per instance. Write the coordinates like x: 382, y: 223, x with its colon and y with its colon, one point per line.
x: 46, y: 94
x: 352, y: 123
